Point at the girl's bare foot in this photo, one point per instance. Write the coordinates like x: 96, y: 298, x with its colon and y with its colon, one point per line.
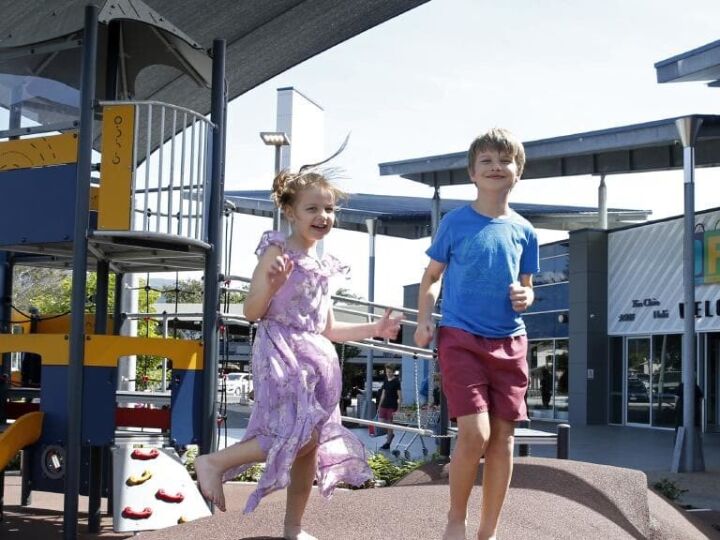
x: 454, y: 530
x: 296, y: 533
x: 209, y: 479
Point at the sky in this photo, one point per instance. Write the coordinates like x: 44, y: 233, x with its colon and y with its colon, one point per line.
x: 428, y: 81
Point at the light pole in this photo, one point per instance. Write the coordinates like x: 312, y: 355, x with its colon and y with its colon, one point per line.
x: 278, y: 139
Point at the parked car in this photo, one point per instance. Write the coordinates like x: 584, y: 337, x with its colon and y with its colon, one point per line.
x: 238, y: 384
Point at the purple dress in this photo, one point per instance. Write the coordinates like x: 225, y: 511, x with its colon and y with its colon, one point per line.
x: 298, y: 382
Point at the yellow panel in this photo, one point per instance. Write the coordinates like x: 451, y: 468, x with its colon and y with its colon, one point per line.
x: 38, y: 151
x: 23, y: 432
x: 53, y: 348
x: 116, y: 164
x: 105, y: 350
x: 49, y: 324
x: 94, y: 198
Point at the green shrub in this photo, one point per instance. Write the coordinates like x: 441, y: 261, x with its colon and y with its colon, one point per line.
x: 668, y: 488
x: 14, y: 463
x: 388, y: 471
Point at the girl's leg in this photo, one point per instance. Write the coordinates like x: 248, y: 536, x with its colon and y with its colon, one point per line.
x: 302, y: 475
x: 210, y: 468
x: 473, y: 434
x: 496, y: 475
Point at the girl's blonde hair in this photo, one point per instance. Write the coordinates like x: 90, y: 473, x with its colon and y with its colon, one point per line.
x: 286, y: 186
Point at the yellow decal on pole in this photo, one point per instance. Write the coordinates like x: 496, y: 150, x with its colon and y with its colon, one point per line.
x: 116, y: 166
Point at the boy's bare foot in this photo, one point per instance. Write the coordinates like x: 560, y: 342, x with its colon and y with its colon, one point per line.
x: 209, y: 479
x: 296, y: 533
x: 454, y: 530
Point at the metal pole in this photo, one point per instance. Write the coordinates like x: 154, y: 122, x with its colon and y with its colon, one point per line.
x: 602, y: 204
x: 79, y: 278
x: 95, y: 480
x: 277, y: 213
x: 6, y: 282
x: 444, y: 416
x: 163, y: 386
x: 688, y: 455
x: 369, y: 413
x: 211, y: 299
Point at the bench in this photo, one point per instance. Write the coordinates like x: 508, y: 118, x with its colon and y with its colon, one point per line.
x: 525, y: 437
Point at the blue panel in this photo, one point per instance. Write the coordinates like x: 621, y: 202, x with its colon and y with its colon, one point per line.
x: 37, y: 205
x: 41, y: 482
x: 551, y: 297
x: 187, y: 406
x: 545, y: 325
x: 98, y: 426
x: 53, y: 402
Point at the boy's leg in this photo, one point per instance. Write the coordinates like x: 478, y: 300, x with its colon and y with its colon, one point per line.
x: 209, y: 468
x: 496, y: 475
x: 473, y: 434
x: 302, y: 475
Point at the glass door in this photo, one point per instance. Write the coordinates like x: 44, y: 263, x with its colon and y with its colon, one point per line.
x: 712, y: 382
x: 637, y: 381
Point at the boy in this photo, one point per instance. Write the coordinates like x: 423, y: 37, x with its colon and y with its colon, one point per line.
x: 488, y: 254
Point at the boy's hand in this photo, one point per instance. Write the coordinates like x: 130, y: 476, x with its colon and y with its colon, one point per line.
x: 424, y: 333
x: 388, y: 327
x: 279, y: 272
x: 521, y: 297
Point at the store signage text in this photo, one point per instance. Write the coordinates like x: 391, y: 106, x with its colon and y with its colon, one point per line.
x: 645, y: 303
x: 703, y: 308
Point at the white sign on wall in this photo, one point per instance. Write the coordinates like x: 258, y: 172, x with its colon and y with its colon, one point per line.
x: 645, y: 283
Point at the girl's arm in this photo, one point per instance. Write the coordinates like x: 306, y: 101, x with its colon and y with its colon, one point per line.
x: 269, y: 275
x: 387, y: 327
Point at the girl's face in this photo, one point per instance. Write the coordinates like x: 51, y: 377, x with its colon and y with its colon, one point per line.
x: 313, y: 213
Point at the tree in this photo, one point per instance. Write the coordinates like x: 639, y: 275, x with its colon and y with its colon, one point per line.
x: 190, y: 291
x: 50, y: 291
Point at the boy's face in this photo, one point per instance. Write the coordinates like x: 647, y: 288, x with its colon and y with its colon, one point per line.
x: 494, y: 171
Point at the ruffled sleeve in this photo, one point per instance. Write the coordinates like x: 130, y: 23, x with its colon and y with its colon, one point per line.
x: 270, y: 238
x: 334, y: 267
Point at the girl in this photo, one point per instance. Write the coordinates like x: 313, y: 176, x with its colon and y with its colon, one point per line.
x: 295, y: 423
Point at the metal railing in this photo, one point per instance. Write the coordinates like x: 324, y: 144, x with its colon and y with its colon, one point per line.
x: 170, y: 182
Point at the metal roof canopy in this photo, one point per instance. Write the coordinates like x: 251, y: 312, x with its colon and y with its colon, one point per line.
x: 701, y: 64
x: 409, y: 217
x: 651, y: 146
x: 263, y: 38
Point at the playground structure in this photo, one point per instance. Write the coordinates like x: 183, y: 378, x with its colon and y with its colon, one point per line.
x: 104, y: 77
x: 56, y: 214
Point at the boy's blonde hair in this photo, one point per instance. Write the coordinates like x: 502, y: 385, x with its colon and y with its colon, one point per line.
x: 500, y: 140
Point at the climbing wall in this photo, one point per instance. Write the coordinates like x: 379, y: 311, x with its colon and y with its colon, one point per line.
x: 152, y: 490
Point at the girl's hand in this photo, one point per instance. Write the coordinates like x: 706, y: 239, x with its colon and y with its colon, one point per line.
x: 388, y: 327
x: 520, y: 297
x: 424, y: 333
x: 279, y: 272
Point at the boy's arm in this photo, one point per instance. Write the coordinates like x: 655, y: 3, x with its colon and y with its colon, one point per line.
x: 427, y: 297
x: 522, y: 295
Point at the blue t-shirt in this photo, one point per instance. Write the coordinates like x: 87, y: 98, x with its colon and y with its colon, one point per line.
x: 483, y: 256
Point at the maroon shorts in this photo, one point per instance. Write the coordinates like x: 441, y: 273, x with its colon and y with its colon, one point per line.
x: 483, y: 374
x: 386, y: 414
